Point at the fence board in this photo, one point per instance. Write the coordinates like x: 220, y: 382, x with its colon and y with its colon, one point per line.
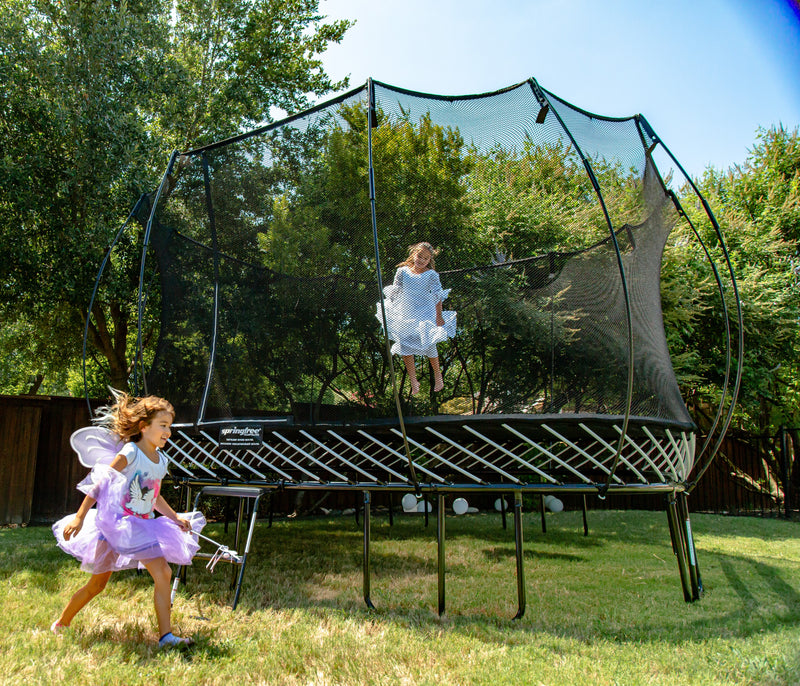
x: 19, y: 442
x: 57, y: 467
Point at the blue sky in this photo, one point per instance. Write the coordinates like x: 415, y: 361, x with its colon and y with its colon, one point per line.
x: 705, y: 73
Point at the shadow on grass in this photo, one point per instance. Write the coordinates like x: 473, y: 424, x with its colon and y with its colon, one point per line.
x: 317, y: 566
x: 736, y: 568
x: 498, y: 554
x: 328, y: 550
x: 733, y: 526
x: 140, y: 649
x: 620, y: 583
x: 34, y: 551
x: 604, y: 526
x: 753, y: 598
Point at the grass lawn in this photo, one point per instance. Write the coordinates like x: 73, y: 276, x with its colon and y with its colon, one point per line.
x: 602, y: 609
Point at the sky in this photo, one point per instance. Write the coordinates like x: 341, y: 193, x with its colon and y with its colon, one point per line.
x: 706, y: 74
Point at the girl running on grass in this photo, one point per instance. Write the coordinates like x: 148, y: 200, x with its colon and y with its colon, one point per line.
x: 123, y: 531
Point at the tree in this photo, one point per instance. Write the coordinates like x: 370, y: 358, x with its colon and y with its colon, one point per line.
x: 95, y: 97
x: 758, y: 207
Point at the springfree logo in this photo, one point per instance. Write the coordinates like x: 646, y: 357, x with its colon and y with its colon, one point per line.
x: 240, y: 436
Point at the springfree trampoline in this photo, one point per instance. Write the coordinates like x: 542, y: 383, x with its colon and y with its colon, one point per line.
x: 264, y: 263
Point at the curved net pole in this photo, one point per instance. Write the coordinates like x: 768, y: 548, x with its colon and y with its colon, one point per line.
x: 100, y: 271
x: 646, y: 130
x: 740, y: 338
x: 373, y: 123
x: 139, y: 359
x: 726, y: 319
x: 215, y: 319
x: 545, y: 106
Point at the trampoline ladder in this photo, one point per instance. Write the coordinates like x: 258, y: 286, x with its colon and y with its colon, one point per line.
x: 244, y: 494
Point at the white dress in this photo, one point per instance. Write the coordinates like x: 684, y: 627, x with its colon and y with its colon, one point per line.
x: 410, y: 304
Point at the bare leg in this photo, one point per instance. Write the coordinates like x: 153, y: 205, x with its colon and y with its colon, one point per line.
x: 160, y: 571
x: 412, y: 373
x: 95, y: 585
x: 438, y: 381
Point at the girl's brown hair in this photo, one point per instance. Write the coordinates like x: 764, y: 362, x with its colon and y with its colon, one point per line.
x: 414, y: 249
x: 124, y: 415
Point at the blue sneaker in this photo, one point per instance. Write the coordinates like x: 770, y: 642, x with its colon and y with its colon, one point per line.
x: 170, y: 640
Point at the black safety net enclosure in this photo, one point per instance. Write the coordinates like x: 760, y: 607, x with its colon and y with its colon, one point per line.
x: 275, y: 263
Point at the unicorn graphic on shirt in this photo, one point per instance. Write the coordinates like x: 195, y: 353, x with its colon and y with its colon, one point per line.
x: 141, y: 499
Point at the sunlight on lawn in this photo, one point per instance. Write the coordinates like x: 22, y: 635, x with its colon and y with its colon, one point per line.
x: 602, y: 609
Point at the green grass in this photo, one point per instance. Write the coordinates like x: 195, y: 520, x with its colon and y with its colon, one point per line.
x: 602, y: 609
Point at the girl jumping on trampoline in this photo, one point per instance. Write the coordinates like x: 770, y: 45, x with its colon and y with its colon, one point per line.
x: 123, y: 532
x: 414, y: 314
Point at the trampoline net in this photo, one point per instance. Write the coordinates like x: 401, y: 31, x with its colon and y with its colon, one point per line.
x: 267, y: 279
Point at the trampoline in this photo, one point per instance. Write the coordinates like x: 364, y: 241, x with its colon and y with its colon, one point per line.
x: 261, y: 262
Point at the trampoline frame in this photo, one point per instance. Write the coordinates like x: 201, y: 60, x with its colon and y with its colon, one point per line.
x: 462, y: 454
x: 505, y: 455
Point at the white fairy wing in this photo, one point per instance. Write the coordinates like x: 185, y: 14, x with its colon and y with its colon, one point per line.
x: 95, y: 445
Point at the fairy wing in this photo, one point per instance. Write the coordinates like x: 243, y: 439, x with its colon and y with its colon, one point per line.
x: 95, y: 445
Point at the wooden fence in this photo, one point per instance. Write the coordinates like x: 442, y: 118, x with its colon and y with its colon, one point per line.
x: 39, y: 470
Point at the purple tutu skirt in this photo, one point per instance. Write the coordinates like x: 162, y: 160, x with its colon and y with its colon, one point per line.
x: 111, y: 540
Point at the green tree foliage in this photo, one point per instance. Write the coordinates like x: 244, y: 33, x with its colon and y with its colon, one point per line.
x: 758, y: 208
x: 94, y: 97
x: 529, y: 202
x: 757, y: 205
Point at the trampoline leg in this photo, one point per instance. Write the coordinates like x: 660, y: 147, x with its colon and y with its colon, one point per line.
x: 585, y: 520
x: 253, y: 497
x: 180, y: 572
x: 367, y: 599
x: 694, y: 569
x: 678, y: 547
x: 440, y: 511
x: 253, y: 505
x: 541, y: 509
x: 226, y: 509
x: 236, y: 575
x: 518, y: 546
x: 239, y: 518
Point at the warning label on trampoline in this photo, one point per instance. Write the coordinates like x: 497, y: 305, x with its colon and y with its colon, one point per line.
x: 240, y: 436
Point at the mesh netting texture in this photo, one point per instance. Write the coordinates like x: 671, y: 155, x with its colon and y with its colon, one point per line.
x: 547, y: 224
